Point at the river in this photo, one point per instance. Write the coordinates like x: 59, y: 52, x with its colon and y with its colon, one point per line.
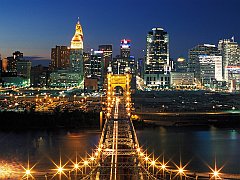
x: 198, y: 146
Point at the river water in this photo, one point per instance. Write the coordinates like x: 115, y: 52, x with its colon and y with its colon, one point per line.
x: 199, y: 146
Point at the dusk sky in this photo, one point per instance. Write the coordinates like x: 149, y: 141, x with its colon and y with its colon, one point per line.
x: 35, y: 26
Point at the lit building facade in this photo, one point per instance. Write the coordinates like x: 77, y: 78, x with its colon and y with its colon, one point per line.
x: 64, y: 79
x: 60, y: 58
x: 24, y: 68
x: 96, y: 65
x: 74, y: 75
x: 16, y: 71
x: 233, y: 78
x: 230, y: 52
x: 76, y: 54
x: 193, y: 57
x: 140, y: 67
x: 181, y: 65
x: 107, y: 56
x: 124, y: 62
x: 182, y: 80
x: 157, y: 66
x: 211, y: 70
x: 125, y: 48
x: 9, y: 64
x: 39, y: 76
x: 121, y: 65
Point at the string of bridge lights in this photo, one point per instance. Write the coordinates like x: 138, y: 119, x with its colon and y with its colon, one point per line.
x: 78, y: 166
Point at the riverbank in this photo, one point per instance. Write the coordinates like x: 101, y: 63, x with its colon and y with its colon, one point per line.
x: 190, y: 119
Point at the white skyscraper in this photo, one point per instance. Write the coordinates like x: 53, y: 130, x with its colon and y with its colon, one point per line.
x: 210, y: 68
x: 231, y: 55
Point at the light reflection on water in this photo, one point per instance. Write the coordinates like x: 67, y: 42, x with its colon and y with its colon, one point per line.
x: 10, y: 169
x: 41, y: 147
x: 195, y: 144
x: 200, y: 145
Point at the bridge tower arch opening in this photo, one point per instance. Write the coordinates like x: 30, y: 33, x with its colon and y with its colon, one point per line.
x: 118, y: 83
x: 119, y: 91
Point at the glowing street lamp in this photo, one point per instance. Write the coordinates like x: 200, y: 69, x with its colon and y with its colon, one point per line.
x: 28, y: 171
x: 181, y: 171
x: 85, y: 163
x: 216, y: 172
x: 153, y: 163
x: 60, y: 170
x: 76, y: 166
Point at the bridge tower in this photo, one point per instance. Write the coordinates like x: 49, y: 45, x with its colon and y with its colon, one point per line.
x: 123, y: 81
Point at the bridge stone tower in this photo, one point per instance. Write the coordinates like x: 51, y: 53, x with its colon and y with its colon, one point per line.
x: 118, y: 80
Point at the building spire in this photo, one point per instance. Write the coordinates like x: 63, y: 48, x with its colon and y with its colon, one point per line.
x: 77, y: 40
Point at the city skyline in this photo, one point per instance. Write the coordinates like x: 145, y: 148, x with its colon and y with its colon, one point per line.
x: 35, y: 37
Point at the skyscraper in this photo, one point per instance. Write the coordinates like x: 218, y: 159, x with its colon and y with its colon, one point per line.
x: 231, y: 55
x: 210, y: 69
x: 16, y: 71
x: 193, y: 57
x: 96, y: 65
x: 181, y: 65
x: 125, y: 48
x: 76, y: 53
x: 60, y: 57
x: 124, y: 62
x: 107, y: 56
x: 74, y: 75
x: 157, y: 59
x: 121, y: 65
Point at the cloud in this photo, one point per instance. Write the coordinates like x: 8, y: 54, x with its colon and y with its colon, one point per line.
x: 36, y: 60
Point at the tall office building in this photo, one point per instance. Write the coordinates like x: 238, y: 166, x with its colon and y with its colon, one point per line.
x: 121, y: 65
x: 60, y: 58
x: 16, y: 71
x: 180, y: 65
x: 124, y: 62
x: 76, y: 53
x: 193, y: 57
x: 231, y: 55
x: 210, y: 69
x: 39, y: 76
x: 107, y: 56
x: 24, y: 69
x: 87, y: 64
x: 125, y: 48
x: 96, y: 65
x: 140, y: 67
x: 74, y: 75
x: 157, y: 59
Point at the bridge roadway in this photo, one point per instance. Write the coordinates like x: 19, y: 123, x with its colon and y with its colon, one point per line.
x: 119, y: 156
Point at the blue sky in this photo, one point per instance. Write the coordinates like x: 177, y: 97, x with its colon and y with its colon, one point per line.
x: 35, y: 26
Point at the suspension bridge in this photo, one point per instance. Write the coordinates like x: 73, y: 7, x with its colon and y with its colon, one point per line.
x: 119, y: 156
